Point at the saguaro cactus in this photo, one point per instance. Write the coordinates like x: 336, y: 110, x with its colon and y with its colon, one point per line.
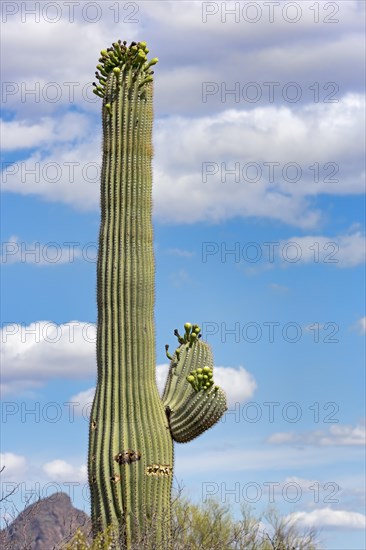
x: 130, y: 463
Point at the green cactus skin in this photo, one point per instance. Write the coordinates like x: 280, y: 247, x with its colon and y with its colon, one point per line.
x: 130, y: 460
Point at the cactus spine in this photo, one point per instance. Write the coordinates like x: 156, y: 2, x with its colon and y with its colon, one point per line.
x: 130, y: 462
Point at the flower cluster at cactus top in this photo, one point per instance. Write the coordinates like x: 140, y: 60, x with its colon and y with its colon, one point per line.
x: 191, y: 335
x: 121, y: 57
x: 192, y: 332
x: 201, y: 379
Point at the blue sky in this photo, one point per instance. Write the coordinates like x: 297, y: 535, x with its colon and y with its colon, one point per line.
x: 259, y: 231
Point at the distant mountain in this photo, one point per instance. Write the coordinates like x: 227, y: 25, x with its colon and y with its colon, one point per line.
x: 44, y: 525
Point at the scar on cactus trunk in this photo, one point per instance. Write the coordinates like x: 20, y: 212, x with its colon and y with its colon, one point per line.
x: 132, y: 429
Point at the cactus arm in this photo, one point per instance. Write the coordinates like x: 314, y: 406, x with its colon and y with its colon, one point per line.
x: 193, y: 401
x: 198, y: 413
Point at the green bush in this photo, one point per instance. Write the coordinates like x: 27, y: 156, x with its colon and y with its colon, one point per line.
x: 210, y: 526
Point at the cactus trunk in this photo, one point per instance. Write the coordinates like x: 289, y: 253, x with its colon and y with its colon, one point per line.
x: 129, y: 431
x: 130, y: 464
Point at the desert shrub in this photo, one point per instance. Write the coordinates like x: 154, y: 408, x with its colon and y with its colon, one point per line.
x: 210, y: 526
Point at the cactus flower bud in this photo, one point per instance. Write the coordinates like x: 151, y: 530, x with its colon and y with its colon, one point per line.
x: 153, y: 61
x: 104, y: 52
x: 190, y: 378
x: 167, y: 352
x: 145, y: 81
x: 187, y: 326
x: 199, y: 371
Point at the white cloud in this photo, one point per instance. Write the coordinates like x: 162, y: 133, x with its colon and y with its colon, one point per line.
x: 360, y: 326
x: 236, y: 50
x: 280, y: 438
x: 327, y: 517
x: 312, y: 491
x: 238, y: 384
x: 180, y: 278
x: 179, y: 252
x: 305, y: 484
x: 18, y: 135
x: 15, y: 466
x: 363, y: 324
x: 161, y: 375
x: 241, y: 51
x: 22, y: 134
x: 342, y: 251
x: 31, y: 355
x: 84, y: 400
x: 70, y: 172
x: 176, y: 16
x: 336, y: 436
x: 65, y: 172
x: 62, y: 66
x: 15, y: 250
x: 236, y: 459
x: 279, y: 288
x: 61, y: 471
x: 22, y: 470
x: 197, y: 154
